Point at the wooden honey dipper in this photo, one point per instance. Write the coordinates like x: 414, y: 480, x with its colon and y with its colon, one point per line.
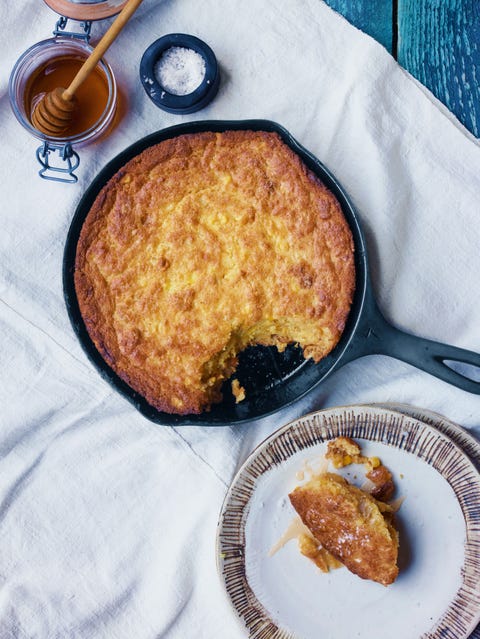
x: 55, y: 111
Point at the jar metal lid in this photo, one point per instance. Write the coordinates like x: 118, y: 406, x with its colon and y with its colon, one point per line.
x: 197, y: 99
x: 86, y: 9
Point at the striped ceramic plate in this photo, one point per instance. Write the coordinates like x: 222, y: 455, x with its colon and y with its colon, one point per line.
x: 284, y: 596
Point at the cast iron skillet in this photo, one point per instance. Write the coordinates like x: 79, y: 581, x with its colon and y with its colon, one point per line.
x: 273, y: 380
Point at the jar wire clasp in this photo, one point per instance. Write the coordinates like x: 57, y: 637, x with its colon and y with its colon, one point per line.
x: 61, y: 25
x: 70, y: 160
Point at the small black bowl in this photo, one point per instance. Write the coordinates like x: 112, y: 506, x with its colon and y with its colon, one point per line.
x: 190, y: 102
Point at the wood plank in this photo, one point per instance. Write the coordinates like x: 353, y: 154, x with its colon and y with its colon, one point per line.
x: 439, y: 43
x: 371, y: 16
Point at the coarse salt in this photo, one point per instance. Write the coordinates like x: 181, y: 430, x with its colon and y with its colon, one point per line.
x: 180, y: 70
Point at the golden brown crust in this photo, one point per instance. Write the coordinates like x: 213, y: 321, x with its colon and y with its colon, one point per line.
x: 204, y: 244
x: 352, y: 525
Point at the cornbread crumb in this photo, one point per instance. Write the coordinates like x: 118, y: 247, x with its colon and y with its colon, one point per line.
x: 383, y: 481
x: 343, y: 451
x: 238, y: 391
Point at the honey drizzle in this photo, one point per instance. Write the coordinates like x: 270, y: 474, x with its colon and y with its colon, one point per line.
x: 92, y: 95
x: 295, y: 529
x: 307, y: 544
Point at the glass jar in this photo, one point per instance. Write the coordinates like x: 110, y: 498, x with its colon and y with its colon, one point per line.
x: 27, y: 66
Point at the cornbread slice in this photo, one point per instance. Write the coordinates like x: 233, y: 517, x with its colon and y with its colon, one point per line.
x: 351, y: 525
x: 201, y: 246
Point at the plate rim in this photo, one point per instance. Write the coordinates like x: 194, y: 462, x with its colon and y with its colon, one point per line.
x: 459, y: 435
x: 254, y: 618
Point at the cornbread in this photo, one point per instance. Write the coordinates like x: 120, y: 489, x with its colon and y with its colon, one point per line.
x: 203, y: 245
x: 351, y: 525
x: 343, y: 451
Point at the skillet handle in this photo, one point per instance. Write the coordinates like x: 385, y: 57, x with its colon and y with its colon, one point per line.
x: 375, y: 335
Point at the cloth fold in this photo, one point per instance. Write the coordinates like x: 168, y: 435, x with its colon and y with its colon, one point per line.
x: 108, y: 521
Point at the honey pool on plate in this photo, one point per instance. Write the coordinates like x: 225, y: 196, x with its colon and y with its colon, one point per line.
x: 92, y: 95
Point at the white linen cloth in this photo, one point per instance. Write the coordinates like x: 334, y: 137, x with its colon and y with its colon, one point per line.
x: 107, y: 521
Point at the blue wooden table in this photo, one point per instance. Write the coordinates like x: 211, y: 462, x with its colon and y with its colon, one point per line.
x: 437, y: 41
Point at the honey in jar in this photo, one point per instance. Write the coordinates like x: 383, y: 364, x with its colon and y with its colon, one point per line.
x: 91, y: 96
x: 53, y: 63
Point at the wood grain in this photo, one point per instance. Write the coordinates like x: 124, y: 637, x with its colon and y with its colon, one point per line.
x: 371, y: 16
x: 438, y: 42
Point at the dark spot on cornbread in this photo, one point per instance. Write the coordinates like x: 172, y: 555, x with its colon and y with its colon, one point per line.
x: 304, y: 274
